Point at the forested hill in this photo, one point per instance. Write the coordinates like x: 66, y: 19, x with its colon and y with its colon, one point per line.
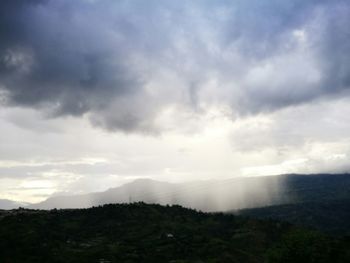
x: 331, y: 216
x: 316, y: 187
x: 152, y: 233
x: 318, y: 201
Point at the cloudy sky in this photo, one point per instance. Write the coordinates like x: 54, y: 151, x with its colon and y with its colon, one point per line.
x: 96, y: 93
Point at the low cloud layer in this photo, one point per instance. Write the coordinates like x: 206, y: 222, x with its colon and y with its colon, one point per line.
x: 124, y: 63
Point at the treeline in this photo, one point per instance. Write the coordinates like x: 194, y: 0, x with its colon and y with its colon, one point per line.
x: 152, y: 233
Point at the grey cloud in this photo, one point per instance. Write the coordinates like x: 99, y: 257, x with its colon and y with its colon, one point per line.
x: 336, y: 46
x: 51, y: 61
x: 296, y: 128
x: 104, y: 58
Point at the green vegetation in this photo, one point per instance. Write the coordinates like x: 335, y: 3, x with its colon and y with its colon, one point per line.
x: 153, y: 233
x: 320, y: 201
x: 316, y: 187
x: 332, y: 217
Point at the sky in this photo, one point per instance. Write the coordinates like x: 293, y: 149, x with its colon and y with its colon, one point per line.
x: 97, y: 93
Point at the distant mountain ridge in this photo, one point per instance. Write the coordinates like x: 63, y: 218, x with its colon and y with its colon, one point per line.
x: 318, y: 201
x: 9, y: 204
x: 225, y: 195
x: 332, y: 217
x: 204, y: 195
x: 231, y: 194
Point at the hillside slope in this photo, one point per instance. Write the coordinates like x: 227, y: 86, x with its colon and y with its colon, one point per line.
x: 153, y: 233
x: 331, y: 216
x: 318, y: 201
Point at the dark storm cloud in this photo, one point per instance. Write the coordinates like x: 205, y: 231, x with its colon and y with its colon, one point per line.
x: 57, y: 59
x: 107, y: 58
x: 49, y: 57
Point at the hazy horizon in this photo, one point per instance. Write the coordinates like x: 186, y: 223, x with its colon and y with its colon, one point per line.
x: 186, y: 184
